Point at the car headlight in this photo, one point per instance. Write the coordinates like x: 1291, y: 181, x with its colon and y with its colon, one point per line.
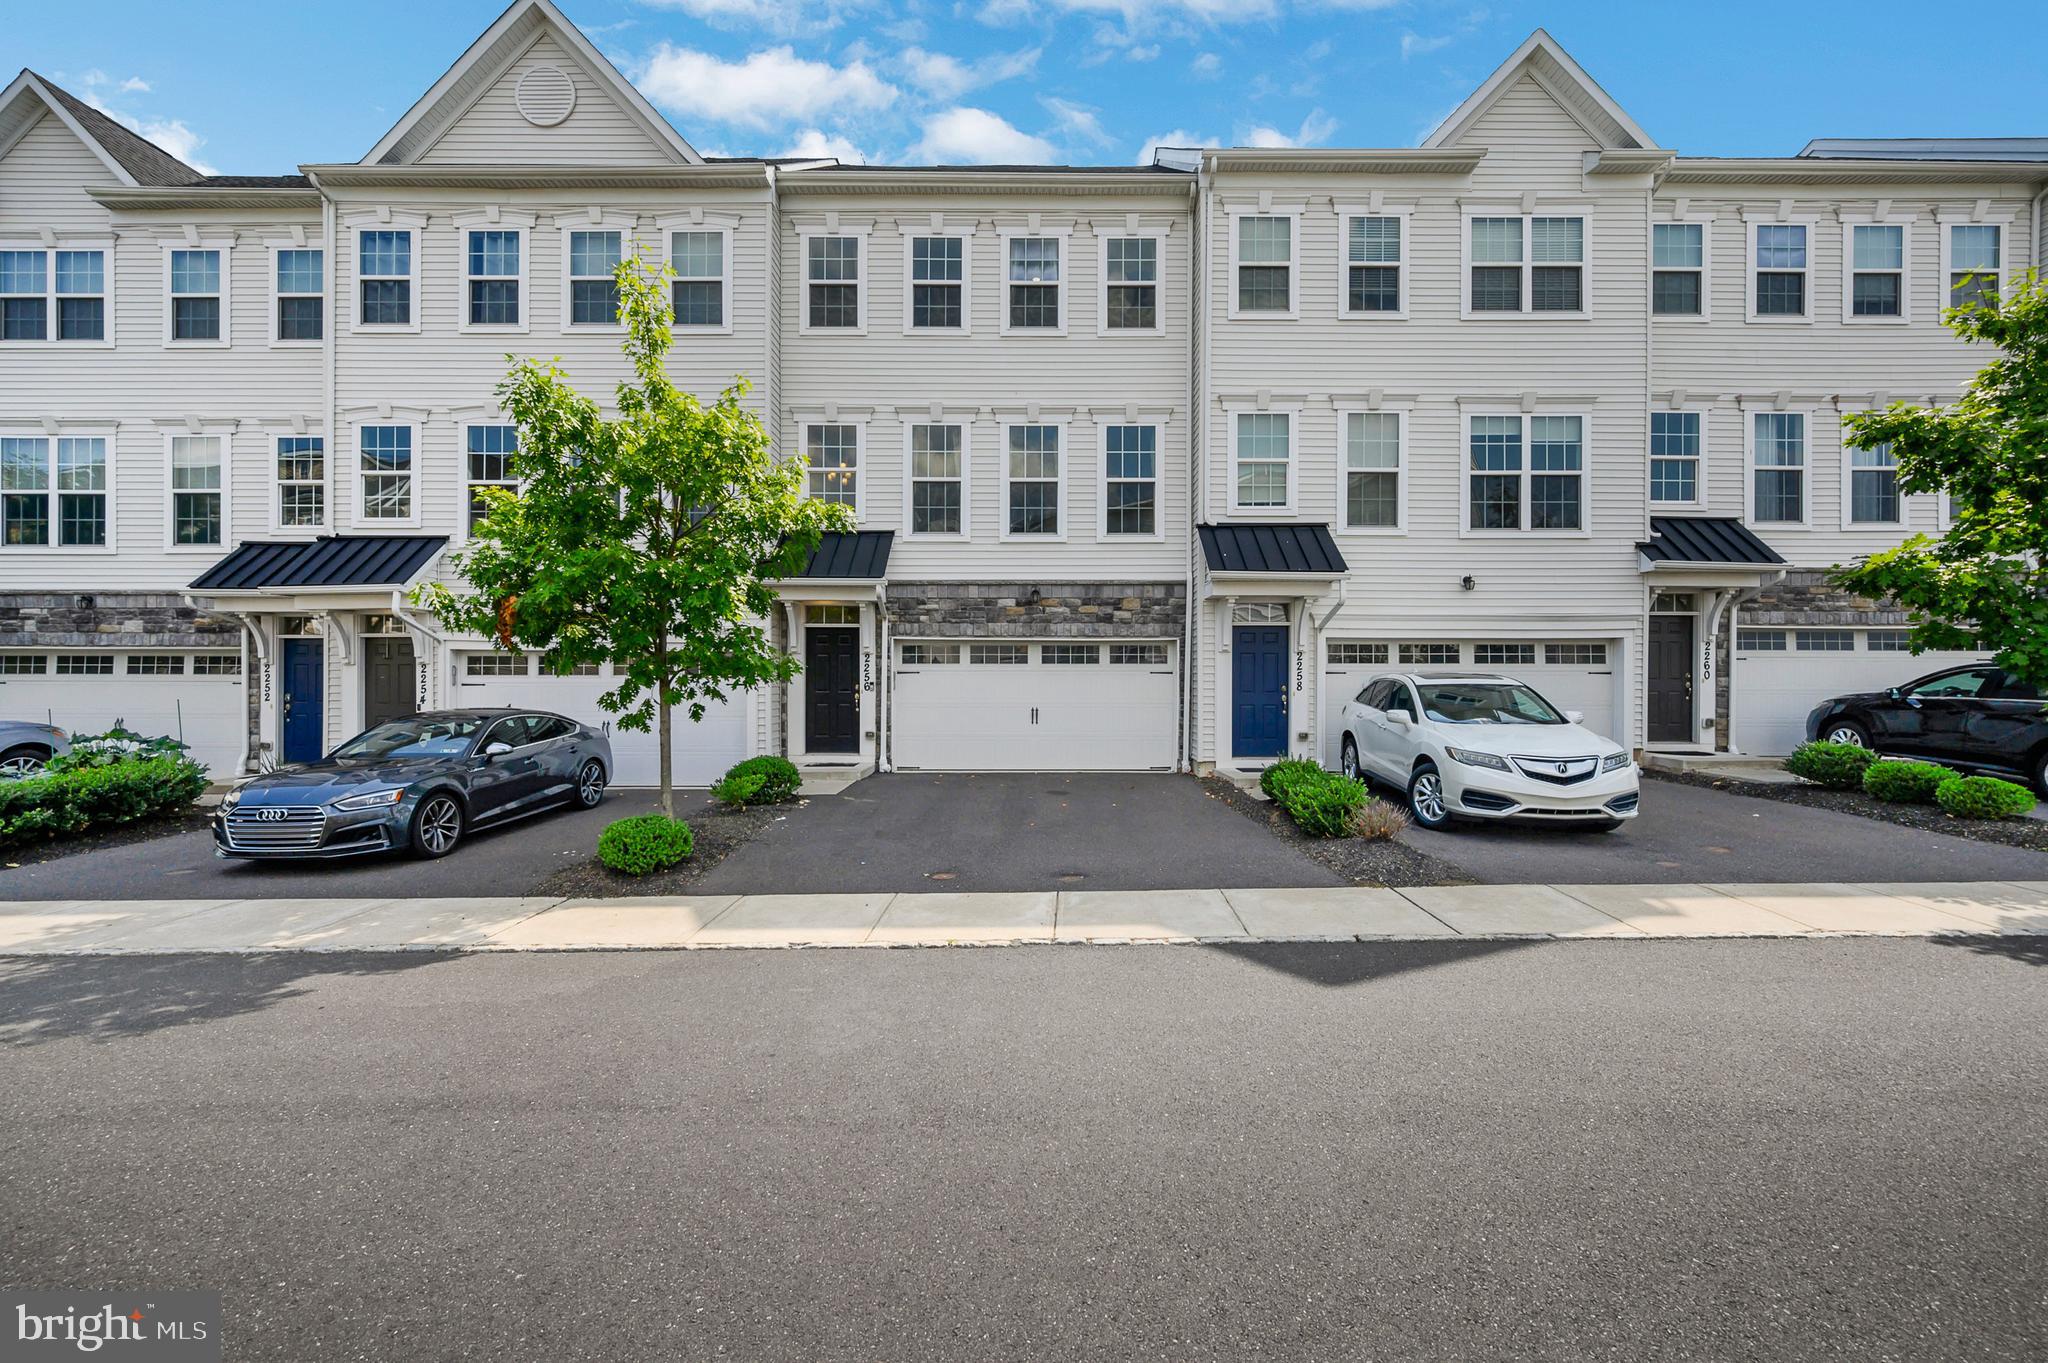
x: 1479, y: 759
x: 1614, y: 761
x: 376, y: 799
x: 232, y: 798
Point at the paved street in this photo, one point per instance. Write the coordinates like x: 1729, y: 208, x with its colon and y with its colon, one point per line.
x: 1755, y: 1150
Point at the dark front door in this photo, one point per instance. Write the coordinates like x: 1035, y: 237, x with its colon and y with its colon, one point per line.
x: 1671, y: 679
x: 831, y: 689
x: 304, y: 686
x: 388, y: 680
x: 1258, y: 691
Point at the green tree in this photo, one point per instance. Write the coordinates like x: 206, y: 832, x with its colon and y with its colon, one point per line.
x: 1984, y: 582
x: 646, y: 540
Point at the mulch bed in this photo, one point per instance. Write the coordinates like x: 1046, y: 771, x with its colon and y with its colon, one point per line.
x: 1358, y: 860
x: 2028, y: 833
x: 719, y: 830
x: 192, y: 819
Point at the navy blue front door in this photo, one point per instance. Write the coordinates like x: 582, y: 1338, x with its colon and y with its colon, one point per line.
x: 304, y: 683
x: 1258, y: 691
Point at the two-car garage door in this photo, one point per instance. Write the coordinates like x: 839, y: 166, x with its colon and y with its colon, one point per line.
x: 196, y: 698
x: 1573, y: 674
x: 1004, y: 705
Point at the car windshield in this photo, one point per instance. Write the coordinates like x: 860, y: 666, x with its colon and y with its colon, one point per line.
x: 416, y: 737
x: 1456, y: 702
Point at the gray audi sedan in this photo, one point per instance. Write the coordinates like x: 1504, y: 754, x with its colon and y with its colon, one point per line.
x: 420, y: 783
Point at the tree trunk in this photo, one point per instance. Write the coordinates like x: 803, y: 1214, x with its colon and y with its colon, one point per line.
x: 661, y: 702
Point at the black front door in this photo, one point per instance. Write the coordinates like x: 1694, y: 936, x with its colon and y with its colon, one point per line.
x: 831, y: 689
x: 387, y: 680
x: 1671, y: 679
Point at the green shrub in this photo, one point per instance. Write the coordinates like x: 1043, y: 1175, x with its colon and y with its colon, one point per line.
x: 1277, y: 779
x: 1325, y: 804
x: 112, y: 748
x: 85, y: 798
x: 759, y: 781
x: 645, y: 843
x: 1839, y: 766
x: 1904, y: 783
x: 1983, y: 797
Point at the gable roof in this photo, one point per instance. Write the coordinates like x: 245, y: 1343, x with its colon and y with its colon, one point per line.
x: 132, y: 158
x: 1550, y: 66
x: 486, y: 59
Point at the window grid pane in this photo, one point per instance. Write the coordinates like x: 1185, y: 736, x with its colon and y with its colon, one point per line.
x: 833, y: 453
x: 1677, y: 245
x: 1131, y: 466
x: 1265, y: 241
x: 1034, y: 470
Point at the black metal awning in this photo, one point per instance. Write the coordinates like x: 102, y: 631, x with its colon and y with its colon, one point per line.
x: 1271, y: 548
x: 1706, y: 541
x: 332, y: 561
x: 860, y: 555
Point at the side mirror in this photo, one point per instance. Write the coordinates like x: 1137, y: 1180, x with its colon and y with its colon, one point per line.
x: 496, y: 749
x: 1575, y: 716
x: 1892, y: 693
x: 1400, y: 717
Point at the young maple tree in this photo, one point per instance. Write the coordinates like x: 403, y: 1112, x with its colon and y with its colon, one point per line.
x: 1984, y: 583
x: 645, y: 540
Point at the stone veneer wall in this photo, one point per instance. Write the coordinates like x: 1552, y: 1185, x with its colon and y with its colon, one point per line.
x: 1063, y: 610
x: 110, y: 620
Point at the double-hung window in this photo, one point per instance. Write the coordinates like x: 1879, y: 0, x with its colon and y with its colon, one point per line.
x: 832, y: 269
x: 1032, y: 481
x: 593, y: 289
x: 301, y: 291
x: 1973, y: 263
x: 24, y: 296
x: 833, y: 453
x: 1262, y: 461
x: 1034, y: 302
x: 1877, y: 270
x: 1526, y: 265
x: 1675, y: 457
x: 301, y: 482
x: 1263, y: 246
x: 1130, y: 284
x: 81, y: 279
x: 938, y: 283
x: 698, y: 258
x: 1130, y: 480
x: 197, y: 510
x: 1778, y: 454
x: 493, y: 276
x: 196, y: 295
x: 384, y: 277
x: 73, y: 470
x: 384, y: 459
x: 1678, y: 264
x: 1372, y: 470
x: 490, y: 451
x: 1373, y: 265
x: 938, y: 479
x: 1873, y: 486
x: 36, y: 285
x: 1537, y: 485
x: 1778, y: 281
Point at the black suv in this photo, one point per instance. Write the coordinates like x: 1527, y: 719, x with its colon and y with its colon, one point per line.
x: 1977, y: 716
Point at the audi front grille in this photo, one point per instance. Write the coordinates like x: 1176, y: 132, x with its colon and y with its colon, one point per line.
x: 264, y: 828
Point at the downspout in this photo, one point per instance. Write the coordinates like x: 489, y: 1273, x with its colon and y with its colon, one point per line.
x: 885, y: 673
x: 330, y: 436
x: 1639, y: 663
x: 1198, y: 437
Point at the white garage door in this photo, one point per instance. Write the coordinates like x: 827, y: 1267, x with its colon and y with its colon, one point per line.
x: 699, y: 753
x: 1575, y: 674
x: 196, y: 698
x: 1008, y: 706
x: 1781, y: 673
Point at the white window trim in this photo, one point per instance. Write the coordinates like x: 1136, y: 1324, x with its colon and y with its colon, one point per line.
x: 1705, y: 222
x: 276, y: 485
x: 80, y: 431
x: 277, y: 247
x: 356, y: 473
x: 519, y: 225
x: 1952, y: 220
x: 463, y: 480
x: 1466, y: 472
x: 965, y: 236
x: 1345, y: 213
x: 1750, y: 224
x: 1061, y: 236
x: 566, y: 226
x: 965, y: 422
x: 49, y: 249
x: 1344, y: 527
x: 226, y: 247
x: 860, y: 457
x: 805, y: 236
x: 1470, y: 213
x: 723, y: 224
x: 1102, y: 327
x: 1848, y: 499
x: 1102, y: 480
x: 1699, y: 480
x: 1749, y: 470
x: 389, y: 221
x: 1904, y: 222
x: 1292, y: 212
x: 1003, y: 427
x: 1234, y: 508
x: 225, y: 433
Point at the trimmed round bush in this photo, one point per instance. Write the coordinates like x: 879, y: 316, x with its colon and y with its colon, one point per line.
x: 1281, y: 777
x: 1983, y: 797
x: 759, y: 781
x: 645, y: 843
x: 1325, y: 805
x: 1838, y: 766
x: 1904, y: 783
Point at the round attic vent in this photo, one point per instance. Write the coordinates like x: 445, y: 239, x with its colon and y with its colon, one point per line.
x: 546, y: 95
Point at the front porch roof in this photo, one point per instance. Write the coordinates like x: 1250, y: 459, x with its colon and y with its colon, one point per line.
x: 1267, y: 549
x: 1689, y: 542
x: 331, y: 562
x: 860, y: 555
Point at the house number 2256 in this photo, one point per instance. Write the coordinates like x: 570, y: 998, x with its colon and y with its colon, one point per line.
x: 867, y: 671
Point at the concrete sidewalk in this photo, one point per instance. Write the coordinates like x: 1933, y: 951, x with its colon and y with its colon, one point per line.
x: 1101, y: 916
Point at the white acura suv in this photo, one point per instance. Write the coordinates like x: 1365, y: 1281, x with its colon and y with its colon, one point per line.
x: 1482, y: 746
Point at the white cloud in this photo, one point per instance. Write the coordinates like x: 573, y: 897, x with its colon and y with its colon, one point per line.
x: 969, y: 135
x: 1077, y: 119
x: 1179, y: 137
x: 135, y: 85
x: 174, y: 137
x: 777, y: 16
x: 1004, y: 13
x: 1415, y: 45
x: 1149, y: 52
x: 768, y: 89
x: 947, y: 78
x: 1206, y: 66
x: 1137, y: 13
x: 816, y: 142
x: 1314, y: 129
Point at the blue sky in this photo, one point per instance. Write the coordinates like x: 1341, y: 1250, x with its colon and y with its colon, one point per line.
x: 254, y: 88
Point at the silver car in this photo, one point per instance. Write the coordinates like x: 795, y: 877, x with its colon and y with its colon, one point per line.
x: 26, y: 748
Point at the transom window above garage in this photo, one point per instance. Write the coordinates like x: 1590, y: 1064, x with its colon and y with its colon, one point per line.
x: 930, y: 655
x: 1070, y: 655
x: 1575, y: 655
x: 1430, y: 655
x: 1137, y: 655
x: 998, y: 655
x: 1358, y: 655
x: 1504, y: 655
x: 494, y: 665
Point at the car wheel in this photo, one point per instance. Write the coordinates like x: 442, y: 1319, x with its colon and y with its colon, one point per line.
x: 2041, y: 776
x: 590, y: 784
x: 1350, y: 759
x: 1842, y: 731
x: 23, y: 761
x: 437, y: 826
x: 1426, y: 799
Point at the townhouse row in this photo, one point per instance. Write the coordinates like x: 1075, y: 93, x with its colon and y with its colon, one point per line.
x: 1151, y: 467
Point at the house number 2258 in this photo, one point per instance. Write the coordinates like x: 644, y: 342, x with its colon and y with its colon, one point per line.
x: 1297, y: 669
